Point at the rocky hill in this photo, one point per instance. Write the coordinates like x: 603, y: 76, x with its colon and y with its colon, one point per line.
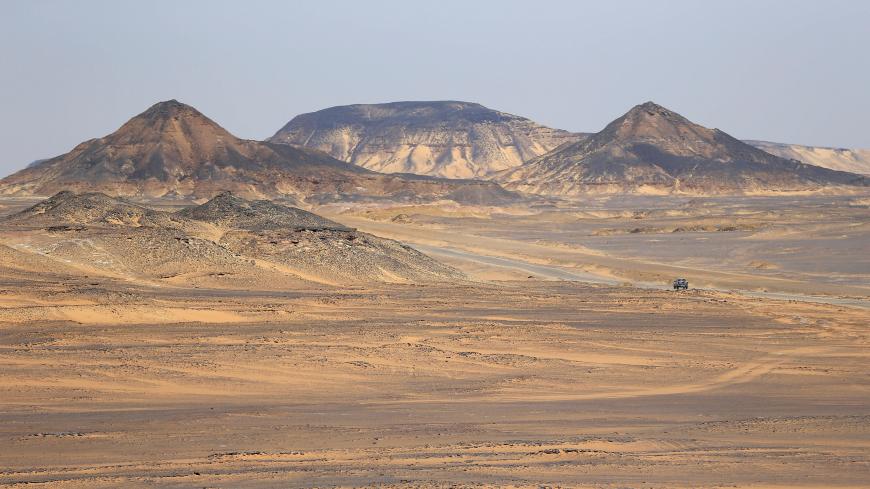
x: 842, y: 159
x: 227, y: 210
x: 93, y: 208
x: 446, y: 138
x: 172, y: 150
x: 651, y: 149
x: 226, y: 238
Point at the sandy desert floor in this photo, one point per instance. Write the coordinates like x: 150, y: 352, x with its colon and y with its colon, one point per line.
x: 795, y: 246
x: 505, y: 380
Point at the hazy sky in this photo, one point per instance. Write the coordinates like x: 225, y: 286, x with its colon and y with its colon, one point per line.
x: 790, y: 71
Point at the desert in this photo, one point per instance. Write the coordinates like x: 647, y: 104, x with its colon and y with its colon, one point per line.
x: 422, y: 245
x: 544, y: 359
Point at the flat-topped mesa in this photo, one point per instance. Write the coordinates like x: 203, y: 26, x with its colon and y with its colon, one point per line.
x: 227, y: 210
x: 450, y: 138
x: 855, y: 160
x: 653, y: 149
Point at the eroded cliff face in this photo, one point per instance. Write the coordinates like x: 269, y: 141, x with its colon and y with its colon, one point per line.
x: 651, y: 149
x: 842, y: 159
x: 445, y: 139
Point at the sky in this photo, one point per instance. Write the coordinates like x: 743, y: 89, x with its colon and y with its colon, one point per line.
x: 786, y: 71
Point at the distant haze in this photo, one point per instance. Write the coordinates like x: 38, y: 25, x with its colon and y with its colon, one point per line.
x: 786, y: 71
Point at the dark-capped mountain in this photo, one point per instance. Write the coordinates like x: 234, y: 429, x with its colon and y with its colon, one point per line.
x: 655, y: 150
x: 172, y: 150
x: 440, y: 138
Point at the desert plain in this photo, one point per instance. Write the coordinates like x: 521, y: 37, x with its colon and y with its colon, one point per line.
x: 562, y: 360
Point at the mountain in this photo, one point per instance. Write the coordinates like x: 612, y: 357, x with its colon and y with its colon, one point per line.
x: 36, y: 162
x: 446, y: 139
x: 227, y: 239
x: 651, y: 149
x: 842, y: 159
x: 172, y: 150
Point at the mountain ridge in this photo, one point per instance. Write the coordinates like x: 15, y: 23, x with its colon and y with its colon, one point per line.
x: 651, y: 149
x: 389, y: 154
x: 173, y: 150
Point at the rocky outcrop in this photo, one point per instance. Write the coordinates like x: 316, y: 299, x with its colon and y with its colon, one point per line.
x: 92, y: 208
x: 225, y: 237
x: 313, y: 245
x: 651, y: 149
x: 227, y: 210
x: 446, y: 139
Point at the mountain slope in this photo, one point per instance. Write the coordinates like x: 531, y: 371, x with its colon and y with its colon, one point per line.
x: 445, y: 138
x: 842, y: 159
x: 652, y: 149
x: 173, y: 150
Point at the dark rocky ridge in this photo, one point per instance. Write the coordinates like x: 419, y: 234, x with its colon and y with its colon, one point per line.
x: 70, y: 209
x: 314, y: 245
x: 226, y: 236
x: 227, y: 210
x: 653, y: 149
